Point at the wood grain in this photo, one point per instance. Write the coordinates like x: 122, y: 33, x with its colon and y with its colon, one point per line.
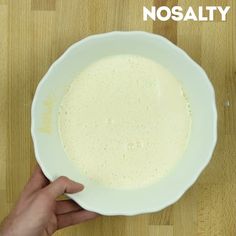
x: 43, y: 5
x: 34, y: 33
x: 3, y: 94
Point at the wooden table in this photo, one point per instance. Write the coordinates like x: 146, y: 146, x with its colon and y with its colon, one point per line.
x: 34, y: 33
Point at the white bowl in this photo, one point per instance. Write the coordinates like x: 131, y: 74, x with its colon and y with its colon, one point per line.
x: 48, y: 147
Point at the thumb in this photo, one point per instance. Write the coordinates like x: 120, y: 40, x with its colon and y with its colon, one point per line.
x: 63, y: 185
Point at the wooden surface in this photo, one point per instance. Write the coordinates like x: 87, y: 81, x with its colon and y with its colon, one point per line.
x: 33, y: 33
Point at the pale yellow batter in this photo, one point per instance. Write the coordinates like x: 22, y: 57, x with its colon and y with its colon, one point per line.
x: 125, y: 121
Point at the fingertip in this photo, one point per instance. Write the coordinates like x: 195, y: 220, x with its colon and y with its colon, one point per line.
x: 88, y: 215
x: 81, y: 187
x: 72, y: 218
x: 91, y: 213
x: 75, y: 186
x: 78, y: 187
x: 94, y: 214
x: 64, y: 185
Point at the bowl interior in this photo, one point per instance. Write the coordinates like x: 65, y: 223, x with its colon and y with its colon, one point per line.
x: 48, y: 147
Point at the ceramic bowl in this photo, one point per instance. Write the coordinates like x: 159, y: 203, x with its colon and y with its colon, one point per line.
x: 48, y: 148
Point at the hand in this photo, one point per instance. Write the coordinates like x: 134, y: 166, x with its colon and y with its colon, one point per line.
x: 38, y: 213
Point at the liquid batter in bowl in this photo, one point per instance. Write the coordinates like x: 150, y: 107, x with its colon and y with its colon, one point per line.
x: 125, y: 121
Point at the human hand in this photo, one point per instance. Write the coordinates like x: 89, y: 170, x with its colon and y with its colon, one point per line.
x: 38, y: 213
